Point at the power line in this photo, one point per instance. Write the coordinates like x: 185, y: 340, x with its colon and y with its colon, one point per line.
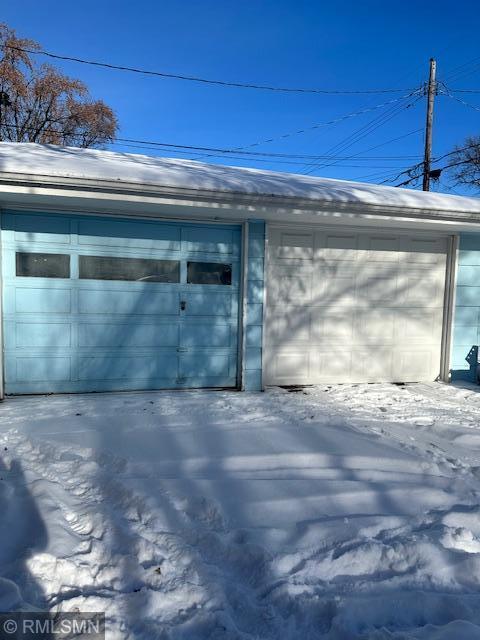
x: 464, y: 90
x: 382, y: 144
x: 246, y: 155
x: 405, y: 135
x: 467, y: 72
x: 319, y: 125
x: 376, y: 175
x: 179, y: 148
x: 356, y: 136
x: 244, y: 148
x: 466, y: 104
x: 255, y: 156
x: 174, y: 76
x: 427, y: 172
x: 457, y: 72
x: 271, y: 160
x: 361, y: 133
x: 333, y: 151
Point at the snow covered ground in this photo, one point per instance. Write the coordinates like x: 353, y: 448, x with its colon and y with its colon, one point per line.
x: 341, y: 512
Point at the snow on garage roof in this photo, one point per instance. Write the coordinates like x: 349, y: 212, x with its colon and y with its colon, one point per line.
x: 71, y: 162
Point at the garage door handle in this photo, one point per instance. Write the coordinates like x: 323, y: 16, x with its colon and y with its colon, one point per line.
x: 183, y: 305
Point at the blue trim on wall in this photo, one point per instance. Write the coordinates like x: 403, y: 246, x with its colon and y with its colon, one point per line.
x: 466, y: 326
x: 254, y: 323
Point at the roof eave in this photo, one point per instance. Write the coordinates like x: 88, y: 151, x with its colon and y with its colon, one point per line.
x: 233, y: 198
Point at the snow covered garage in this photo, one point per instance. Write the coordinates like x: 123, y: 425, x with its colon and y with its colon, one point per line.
x: 123, y: 271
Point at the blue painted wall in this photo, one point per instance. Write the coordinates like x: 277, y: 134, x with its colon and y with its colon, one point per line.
x: 466, y: 324
x: 255, y: 286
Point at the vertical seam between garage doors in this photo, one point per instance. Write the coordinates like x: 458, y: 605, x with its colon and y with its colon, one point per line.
x: 449, y: 306
x: 242, y: 316
x: 266, y: 279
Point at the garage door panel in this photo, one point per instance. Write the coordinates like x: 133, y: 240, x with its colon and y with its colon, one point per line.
x: 424, y: 250
x: 130, y: 235
x: 42, y: 300
x: 42, y: 368
x: 419, y: 325
x: 203, y: 240
x: 378, y: 289
x: 332, y: 365
x: 42, y: 334
x: 375, y: 325
x: 334, y: 248
x: 34, y: 229
x: 335, y: 288
x: 209, y: 364
x: 420, y: 290
x: 292, y: 282
x: 382, y: 249
x: 372, y: 364
x: 290, y: 288
x: 376, y: 310
x: 210, y: 304
x: 290, y: 324
x: 128, y: 301
x: 206, y: 334
x: 410, y: 365
x: 335, y: 327
x: 293, y: 246
x: 112, y: 366
x: 293, y: 366
x: 118, y: 334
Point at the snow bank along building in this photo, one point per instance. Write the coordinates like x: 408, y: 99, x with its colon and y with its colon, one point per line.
x: 129, y: 272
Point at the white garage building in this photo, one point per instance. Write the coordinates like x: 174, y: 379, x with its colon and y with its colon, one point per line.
x: 123, y: 271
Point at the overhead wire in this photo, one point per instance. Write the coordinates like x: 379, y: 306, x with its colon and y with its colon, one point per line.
x: 179, y: 148
x: 353, y: 139
x: 461, y: 101
x: 462, y: 70
x: 319, y: 125
x: 359, y: 134
x: 192, y: 78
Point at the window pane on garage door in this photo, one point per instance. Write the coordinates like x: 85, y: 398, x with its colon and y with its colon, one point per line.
x: 136, y: 269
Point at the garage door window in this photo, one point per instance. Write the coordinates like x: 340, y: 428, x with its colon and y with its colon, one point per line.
x: 42, y: 265
x: 136, y: 269
x: 209, y: 273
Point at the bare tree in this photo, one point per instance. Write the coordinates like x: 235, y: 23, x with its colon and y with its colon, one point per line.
x: 38, y: 103
x: 465, y: 163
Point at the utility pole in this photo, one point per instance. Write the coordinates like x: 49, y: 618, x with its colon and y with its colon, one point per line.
x: 431, y: 92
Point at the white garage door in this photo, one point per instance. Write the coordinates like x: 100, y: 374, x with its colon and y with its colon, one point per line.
x: 346, y: 306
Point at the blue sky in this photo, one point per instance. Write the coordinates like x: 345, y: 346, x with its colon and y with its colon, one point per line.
x: 348, y: 45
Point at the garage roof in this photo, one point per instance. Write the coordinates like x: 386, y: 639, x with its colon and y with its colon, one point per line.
x: 28, y: 159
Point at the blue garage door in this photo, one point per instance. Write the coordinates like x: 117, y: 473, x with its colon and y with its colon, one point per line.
x: 97, y: 304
